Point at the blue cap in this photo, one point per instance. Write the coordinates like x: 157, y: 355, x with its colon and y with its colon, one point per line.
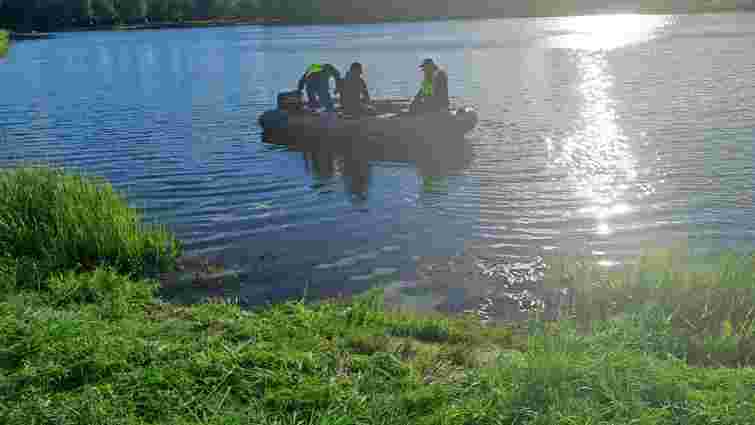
x: 427, y: 62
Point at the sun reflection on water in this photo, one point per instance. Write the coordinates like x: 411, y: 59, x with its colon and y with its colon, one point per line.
x: 604, y: 32
x: 597, y: 155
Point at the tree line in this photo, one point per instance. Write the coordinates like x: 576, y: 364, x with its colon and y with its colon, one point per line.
x: 58, y: 14
x: 48, y: 15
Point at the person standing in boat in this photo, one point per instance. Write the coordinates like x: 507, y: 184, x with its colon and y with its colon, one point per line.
x: 316, y: 80
x: 354, y: 95
x: 433, y: 93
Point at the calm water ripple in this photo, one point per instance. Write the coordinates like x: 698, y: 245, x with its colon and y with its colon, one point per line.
x: 597, y: 135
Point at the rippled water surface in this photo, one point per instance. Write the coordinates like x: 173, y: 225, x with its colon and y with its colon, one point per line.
x: 597, y: 135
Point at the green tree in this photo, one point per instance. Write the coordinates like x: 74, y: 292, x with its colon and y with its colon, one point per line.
x: 69, y: 12
x: 128, y: 10
x: 19, y: 14
x: 104, y: 9
x: 80, y: 10
x: 169, y: 10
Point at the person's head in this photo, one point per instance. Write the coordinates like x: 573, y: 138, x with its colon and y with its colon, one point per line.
x: 356, y: 68
x: 428, y: 67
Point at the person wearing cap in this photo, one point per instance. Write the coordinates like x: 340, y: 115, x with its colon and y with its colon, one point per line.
x: 354, y: 94
x: 433, y: 93
x: 317, y: 82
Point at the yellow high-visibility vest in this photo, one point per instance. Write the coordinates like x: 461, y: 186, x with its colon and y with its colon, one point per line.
x: 427, y: 88
x: 314, y: 69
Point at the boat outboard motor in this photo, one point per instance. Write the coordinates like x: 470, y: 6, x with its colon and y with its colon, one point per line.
x: 274, y: 120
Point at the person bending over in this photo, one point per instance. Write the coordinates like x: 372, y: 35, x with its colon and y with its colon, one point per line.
x: 316, y: 80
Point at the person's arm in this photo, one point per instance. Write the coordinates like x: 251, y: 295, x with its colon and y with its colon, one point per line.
x: 365, y: 92
x: 440, y: 91
x: 417, y: 97
x: 340, y: 87
x: 302, y: 80
x: 332, y: 71
x: 339, y: 84
x: 336, y: 73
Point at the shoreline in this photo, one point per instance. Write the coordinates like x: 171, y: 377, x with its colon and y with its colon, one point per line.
x: 85, y: 339
x: 272, y: 22
x: 20, y: 36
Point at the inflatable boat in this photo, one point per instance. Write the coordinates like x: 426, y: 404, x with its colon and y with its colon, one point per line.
x: 385, y: 121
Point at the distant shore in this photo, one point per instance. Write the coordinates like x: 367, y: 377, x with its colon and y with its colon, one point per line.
x: 34, y: 35
x: 217, y: 22
x: 230, y: 22
x: 353, y: 20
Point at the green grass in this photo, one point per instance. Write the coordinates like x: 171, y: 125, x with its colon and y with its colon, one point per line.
x: 83, y: 354
x: 702, y: 309
x: 4, y: 42
x: 52, y: 221
x: 96, y: 347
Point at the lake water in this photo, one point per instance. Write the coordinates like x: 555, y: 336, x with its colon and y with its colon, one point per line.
x: 598, y: 135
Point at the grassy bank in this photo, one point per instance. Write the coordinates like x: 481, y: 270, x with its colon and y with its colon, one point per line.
x: 83, y: 340
x: 4, y: 42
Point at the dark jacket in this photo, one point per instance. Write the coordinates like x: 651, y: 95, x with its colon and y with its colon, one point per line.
x: 354, y: 92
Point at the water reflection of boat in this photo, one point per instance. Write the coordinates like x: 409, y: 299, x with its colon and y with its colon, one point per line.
x: 352, y: 161
x: 438, y: 157
x: 325, y: 165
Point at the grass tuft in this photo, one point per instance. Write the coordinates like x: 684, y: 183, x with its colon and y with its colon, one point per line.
x: 52, y: 221
x: 668, y: 302
x: 112, y: 294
